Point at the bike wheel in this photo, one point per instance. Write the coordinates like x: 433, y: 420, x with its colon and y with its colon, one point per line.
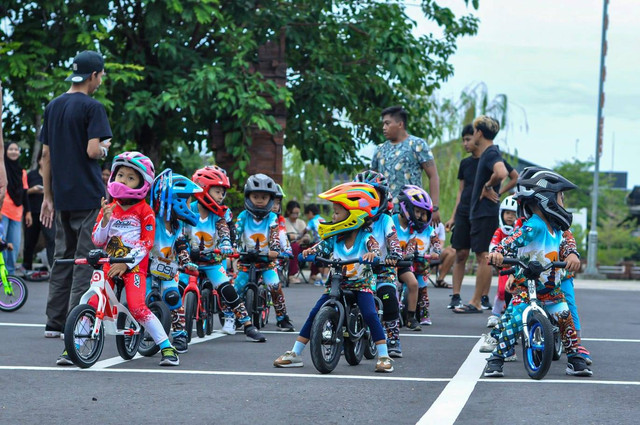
x: 354, y: 350
x: 205, y: 325
x: 370, y: 348
x: 148, y: 346
x: 326, y: 340
x: 190, y: 310
x: 83, y: 350
x: 538, y: 345
x: 267, y: 310
x: 250, y: 303
x: 127, y: 345
x: 263, y: 307
x: 557, y: 343
x: 16, y: 297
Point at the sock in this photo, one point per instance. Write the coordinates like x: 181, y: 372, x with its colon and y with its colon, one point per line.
x: 382, y: 350
x: 165, y: 344
x: 298, y: 347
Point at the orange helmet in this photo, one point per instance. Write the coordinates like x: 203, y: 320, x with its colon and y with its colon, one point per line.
x: 206, y: 178
x: 361, y: 200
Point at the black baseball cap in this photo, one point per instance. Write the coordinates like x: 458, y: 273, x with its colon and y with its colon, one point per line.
x: 84, y: 64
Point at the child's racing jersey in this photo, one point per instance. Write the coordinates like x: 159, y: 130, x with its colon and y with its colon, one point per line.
x: 384, y: 232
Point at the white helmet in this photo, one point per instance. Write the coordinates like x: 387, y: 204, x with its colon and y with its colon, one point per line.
x: 507, y: 204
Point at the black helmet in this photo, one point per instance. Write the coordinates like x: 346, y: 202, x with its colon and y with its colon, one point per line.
x: 540, y: 186
x: 378, y: 181
x: 259, y: 183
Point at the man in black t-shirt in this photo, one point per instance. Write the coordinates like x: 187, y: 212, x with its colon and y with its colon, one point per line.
x: 484, y: 205
x: 459, y: 222
x: 75, y: 134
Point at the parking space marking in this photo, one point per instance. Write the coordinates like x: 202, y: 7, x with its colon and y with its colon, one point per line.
x: 447, y: 407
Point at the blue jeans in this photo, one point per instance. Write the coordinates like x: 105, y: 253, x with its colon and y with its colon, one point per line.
x: 13, y: 235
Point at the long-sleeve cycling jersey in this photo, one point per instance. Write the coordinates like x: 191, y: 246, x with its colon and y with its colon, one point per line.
x: 128, y: 233
x: 209, y: 232
x: 423, y: 243
x: 384, y: 231
x: 263, y: 234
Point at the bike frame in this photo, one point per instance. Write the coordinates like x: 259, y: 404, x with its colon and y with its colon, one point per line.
x: 4, y: 273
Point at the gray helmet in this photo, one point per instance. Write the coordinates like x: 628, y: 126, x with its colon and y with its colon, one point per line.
x: 259, y: 183
x: 540, y: 186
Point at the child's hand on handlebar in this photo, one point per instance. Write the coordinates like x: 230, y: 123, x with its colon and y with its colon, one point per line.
x: 272, y: 255
x: 368, y: 257
x: 573, y: 263
x: 117, y: 270
x: 306, y: 252
x: 495, y: 258
x: 434, y: 256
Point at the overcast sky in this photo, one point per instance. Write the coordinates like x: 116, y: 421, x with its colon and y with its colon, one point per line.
x: 544, y: 55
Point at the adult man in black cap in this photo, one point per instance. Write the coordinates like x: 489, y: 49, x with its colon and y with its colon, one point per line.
x: 75, y: 135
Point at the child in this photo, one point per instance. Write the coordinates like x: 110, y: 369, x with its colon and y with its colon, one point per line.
x: 277, y: 294
x: 257, y: 226
x: 319, y: 275
x: 169, y: 199
x: 507, y: 215
x: 540, y: 193
x: 417, y: 209
x: 212, y: 230
x: 126, y: 228
x: 384, y: 232
x: 348, y: 237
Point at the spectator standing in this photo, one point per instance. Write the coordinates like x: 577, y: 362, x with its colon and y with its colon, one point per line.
x: 32, y: 233
x: 295, y: 228
x: 75, y: 134
x: 484, y: 205
x: 16, y: 203
x: 3, y: 172
x: 403, y: 157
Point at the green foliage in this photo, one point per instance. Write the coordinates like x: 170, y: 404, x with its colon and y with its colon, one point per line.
x: 235, y: 200
x: 615, y: 241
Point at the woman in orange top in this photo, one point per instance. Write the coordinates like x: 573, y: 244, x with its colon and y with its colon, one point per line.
x: 15, y: 204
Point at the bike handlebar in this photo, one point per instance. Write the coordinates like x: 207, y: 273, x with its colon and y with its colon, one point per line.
x: 78, y: 261
x: 340, y: 263
x: 534, y: 268
x: 259, y: 257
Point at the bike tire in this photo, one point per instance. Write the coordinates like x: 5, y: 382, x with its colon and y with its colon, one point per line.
x: 325, y: 343
x: 263, y: 307
x: 148, y: 347
x: 250, y: 303
x: 127, y: 345
x: 190, y: 310
x: 206, y: 324
x: 557, y: 344
x: 354, y: 351
x: 78, y: 328
x: 538, y: 345
x: 370, y: 348
x: 18, y: 297
x: 267, y: 311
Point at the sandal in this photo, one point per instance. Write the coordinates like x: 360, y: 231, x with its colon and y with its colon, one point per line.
x: 467, y: 309
x: 440, y: 283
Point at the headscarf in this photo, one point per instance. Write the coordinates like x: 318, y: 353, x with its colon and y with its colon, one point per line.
x: 15, y: 187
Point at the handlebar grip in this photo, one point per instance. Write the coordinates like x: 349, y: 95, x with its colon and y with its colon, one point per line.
x: 507, y: 272
x: 66, y: 261
x: 307, y: 259
x: 559, y: 264
x: 404, y: 263
x: 122, y: 260
x: 510, y: 261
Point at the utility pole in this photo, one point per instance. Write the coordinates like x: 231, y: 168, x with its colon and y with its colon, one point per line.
x: 592, y: 254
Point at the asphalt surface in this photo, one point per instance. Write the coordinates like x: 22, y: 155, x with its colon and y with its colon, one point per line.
x: 228, y: 380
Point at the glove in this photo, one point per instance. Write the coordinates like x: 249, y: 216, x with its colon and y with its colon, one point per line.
x: 183, y: 257
x: 182, y: 244
x: 191, y: 267
x: 226, y: 249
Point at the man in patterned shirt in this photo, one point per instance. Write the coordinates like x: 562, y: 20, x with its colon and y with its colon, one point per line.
x: 403, y: 157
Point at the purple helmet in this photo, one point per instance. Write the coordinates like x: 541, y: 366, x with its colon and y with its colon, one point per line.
x: 142, y: 165
x: 412, y: 196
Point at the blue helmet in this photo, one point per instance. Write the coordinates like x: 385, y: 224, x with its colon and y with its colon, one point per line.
x: 170, y: 193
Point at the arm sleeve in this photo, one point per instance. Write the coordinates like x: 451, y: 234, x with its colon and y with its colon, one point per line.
x: 224, y: 237
x: 100, y: 235
x: 495, y: 239
x: 393, y: 243
x: 509, y: 245
x: 507, y: 166
x: 147, y: 235
x: 274, y: 237
x: 568, y: 246
x: 435, y: 246
x: 98, y: 127
x: 372, y: 245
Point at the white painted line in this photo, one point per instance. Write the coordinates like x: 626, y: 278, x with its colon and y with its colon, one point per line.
x: 25, y: 325
x: 453, y: 398
x: 576, y: 380
x: 611, y: 340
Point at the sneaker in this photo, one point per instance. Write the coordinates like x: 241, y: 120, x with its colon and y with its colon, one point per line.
x: 169, y: 357
x: 384, y: 364
x: 318, y: 282
x: 394, y: 348
x: 486, y: 305
x: 49, y: 332
x: 253, y: 334
x: 493, y: 321
x: 577, y: 366
x: 585, y: 354
x: 180, y: 343
x: 229, y: 326
x: 489, y: 344
x: 456, y: 302
x: 493, y: 368
x: 285, y: 325
x: 413, y: 324
x: 513, y: 358
x: 426, y: 321
x: 288, y: 359
x: 64, y: 359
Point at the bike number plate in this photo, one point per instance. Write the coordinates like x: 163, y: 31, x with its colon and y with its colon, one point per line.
x: 164, y: 270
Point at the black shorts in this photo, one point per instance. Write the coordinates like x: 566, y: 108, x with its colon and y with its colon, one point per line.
x: 482, y: 230
x: 460, y: 238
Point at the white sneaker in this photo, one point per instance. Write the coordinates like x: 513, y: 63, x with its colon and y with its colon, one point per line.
x: 288, y: 359
x: 489, y: 344
x: 513, y: 358
x: 493, y: 321
x: 229, y: 326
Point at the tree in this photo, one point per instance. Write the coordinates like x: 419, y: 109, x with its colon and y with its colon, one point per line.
x: 178, y: 70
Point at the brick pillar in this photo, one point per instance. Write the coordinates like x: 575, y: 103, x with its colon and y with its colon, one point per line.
x: 266, y: 149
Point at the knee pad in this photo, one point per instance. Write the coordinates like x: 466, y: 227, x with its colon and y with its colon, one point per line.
x: 228, y: 294
x: 389, y: 302
x: 172, y: 298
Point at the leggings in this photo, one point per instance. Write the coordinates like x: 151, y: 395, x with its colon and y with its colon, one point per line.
x: 567, y: 289
x: 367, y: 307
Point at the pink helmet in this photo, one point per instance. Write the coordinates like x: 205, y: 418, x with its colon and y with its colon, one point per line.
x: 142, y: 165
